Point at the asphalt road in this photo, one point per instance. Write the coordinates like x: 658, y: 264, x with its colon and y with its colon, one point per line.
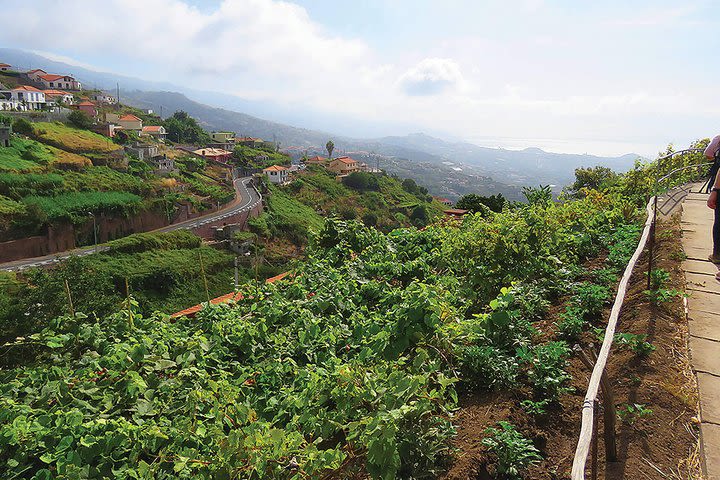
x: 246, y: 198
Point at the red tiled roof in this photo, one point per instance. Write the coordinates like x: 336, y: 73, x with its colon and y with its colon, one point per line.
x: 86, y: 103
x: 37, y: 70
x: 27, y: 88
x: 51, y: 77
x: 230, y: 297
x: 152, y: 128
x: 346, y: 160
x: 316, y: 158
x: 275, y: 168
x: 129, y: 118
x: 56, y: 92
x: 5, y: 65
x: 211, y: 152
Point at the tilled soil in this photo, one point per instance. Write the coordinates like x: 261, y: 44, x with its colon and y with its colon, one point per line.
x: 662, y: 444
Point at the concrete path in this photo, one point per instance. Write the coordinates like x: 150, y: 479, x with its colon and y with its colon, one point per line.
x: 704, y: 323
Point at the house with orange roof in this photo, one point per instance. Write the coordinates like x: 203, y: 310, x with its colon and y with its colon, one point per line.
x: 316, y: 160
x: 58, y: 96
x: 343, y: 165
x: 249, y: 142
x: 22, y: 98
x: 50, y: 80
x: 88, y: 107
x: 277, y: 174
x: 127, y: 121
x: 34, y: 75
x: 443, y: 200
x: 155, y: 131
x: 4, y: 67
x: 217, y: 154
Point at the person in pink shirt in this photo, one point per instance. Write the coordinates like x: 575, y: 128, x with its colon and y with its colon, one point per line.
x: 712, y: 152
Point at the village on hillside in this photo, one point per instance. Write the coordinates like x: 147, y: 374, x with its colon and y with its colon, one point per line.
x: 37, y: 91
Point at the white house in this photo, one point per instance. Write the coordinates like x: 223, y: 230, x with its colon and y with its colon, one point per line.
x: 277, y: 174
x: 59, y: 81
x: 103, y: 98
x: 22, y: 97
x: 58, y: 96
x: 4, y: 67
x: 156, y: 131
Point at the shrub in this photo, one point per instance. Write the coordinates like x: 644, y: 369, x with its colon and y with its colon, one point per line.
x: 22, y: 126
x: 80, y: 119
x: 514, y: 452
x: 370, y: 219
x: 141, y: 242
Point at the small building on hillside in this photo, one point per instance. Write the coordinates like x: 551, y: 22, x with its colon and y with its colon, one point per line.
x: 155, y: 131
x: 249, y: 142
x: 162, y: 164
x: 343, y: 165
x: 142, y: 151
x: 107, y: 129
x: 455, y: 212
x: 277, y: 174
x: 5, y: 131
x: 58, y: 96
x: 4, y: 67
x: 103, y: 98
x: 316, y: 160
x: 223, y: 137
x: 34, y: 75
x: 66, y: 82
x: 130, y: 122
x: 88, y: 107
x: 444, y: 201
x: 217, y: 154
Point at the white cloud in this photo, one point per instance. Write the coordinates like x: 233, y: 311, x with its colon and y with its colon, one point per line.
x: 431, y: 76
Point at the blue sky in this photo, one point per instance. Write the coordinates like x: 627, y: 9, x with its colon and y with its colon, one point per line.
x: 605, y: 77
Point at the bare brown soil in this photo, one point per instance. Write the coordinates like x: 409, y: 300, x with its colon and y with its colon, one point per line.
x: 662, y: 444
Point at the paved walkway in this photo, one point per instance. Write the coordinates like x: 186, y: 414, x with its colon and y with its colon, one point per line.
x: 704, y: 323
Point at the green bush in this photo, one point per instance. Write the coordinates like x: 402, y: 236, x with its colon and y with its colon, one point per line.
x: 80, y: 120
x: 22, y: 126
x: 141, y: 242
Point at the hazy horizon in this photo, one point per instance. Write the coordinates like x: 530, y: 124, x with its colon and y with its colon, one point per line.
x: 604, y: 79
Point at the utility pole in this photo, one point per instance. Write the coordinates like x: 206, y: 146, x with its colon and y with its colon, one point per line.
x: 118, y: 92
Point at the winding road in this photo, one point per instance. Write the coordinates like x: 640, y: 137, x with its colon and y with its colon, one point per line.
x: 246, y: 198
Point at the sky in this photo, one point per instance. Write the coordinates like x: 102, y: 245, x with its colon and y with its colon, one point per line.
x: 604, y: 77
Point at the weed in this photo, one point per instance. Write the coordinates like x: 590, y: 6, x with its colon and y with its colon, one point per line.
x: 514, y: 452
x: 547, y: 368
x: 634, y: 342
x: 535, y: 408
x: 489, y: 368
x: 629, y: 412
x: 571, y: 323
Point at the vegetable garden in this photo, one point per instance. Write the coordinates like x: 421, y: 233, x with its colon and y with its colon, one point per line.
x: 353, y: 367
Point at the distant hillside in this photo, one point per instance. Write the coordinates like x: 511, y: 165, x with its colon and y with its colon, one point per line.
x: 446, y: 168
x: 516, y: 167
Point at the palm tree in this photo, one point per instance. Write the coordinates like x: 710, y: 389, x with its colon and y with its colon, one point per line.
x: 330, y: 146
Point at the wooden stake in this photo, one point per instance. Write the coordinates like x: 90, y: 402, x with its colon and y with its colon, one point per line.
x: 69, y: 296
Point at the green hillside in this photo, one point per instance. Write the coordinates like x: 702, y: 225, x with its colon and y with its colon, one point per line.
x: 55, y: 173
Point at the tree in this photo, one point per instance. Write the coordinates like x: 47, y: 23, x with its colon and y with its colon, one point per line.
x: 80, y: 120
x: 181, y: 128
x: 362, y: 181
x: 592, y: 178
x: 475, y: 203
x: 419, y: 216
x: 330, y: 146
x: 22, y: 126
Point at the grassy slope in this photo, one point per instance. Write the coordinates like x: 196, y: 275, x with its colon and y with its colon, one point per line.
x: 391, y: 204
x: 73, y: 140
